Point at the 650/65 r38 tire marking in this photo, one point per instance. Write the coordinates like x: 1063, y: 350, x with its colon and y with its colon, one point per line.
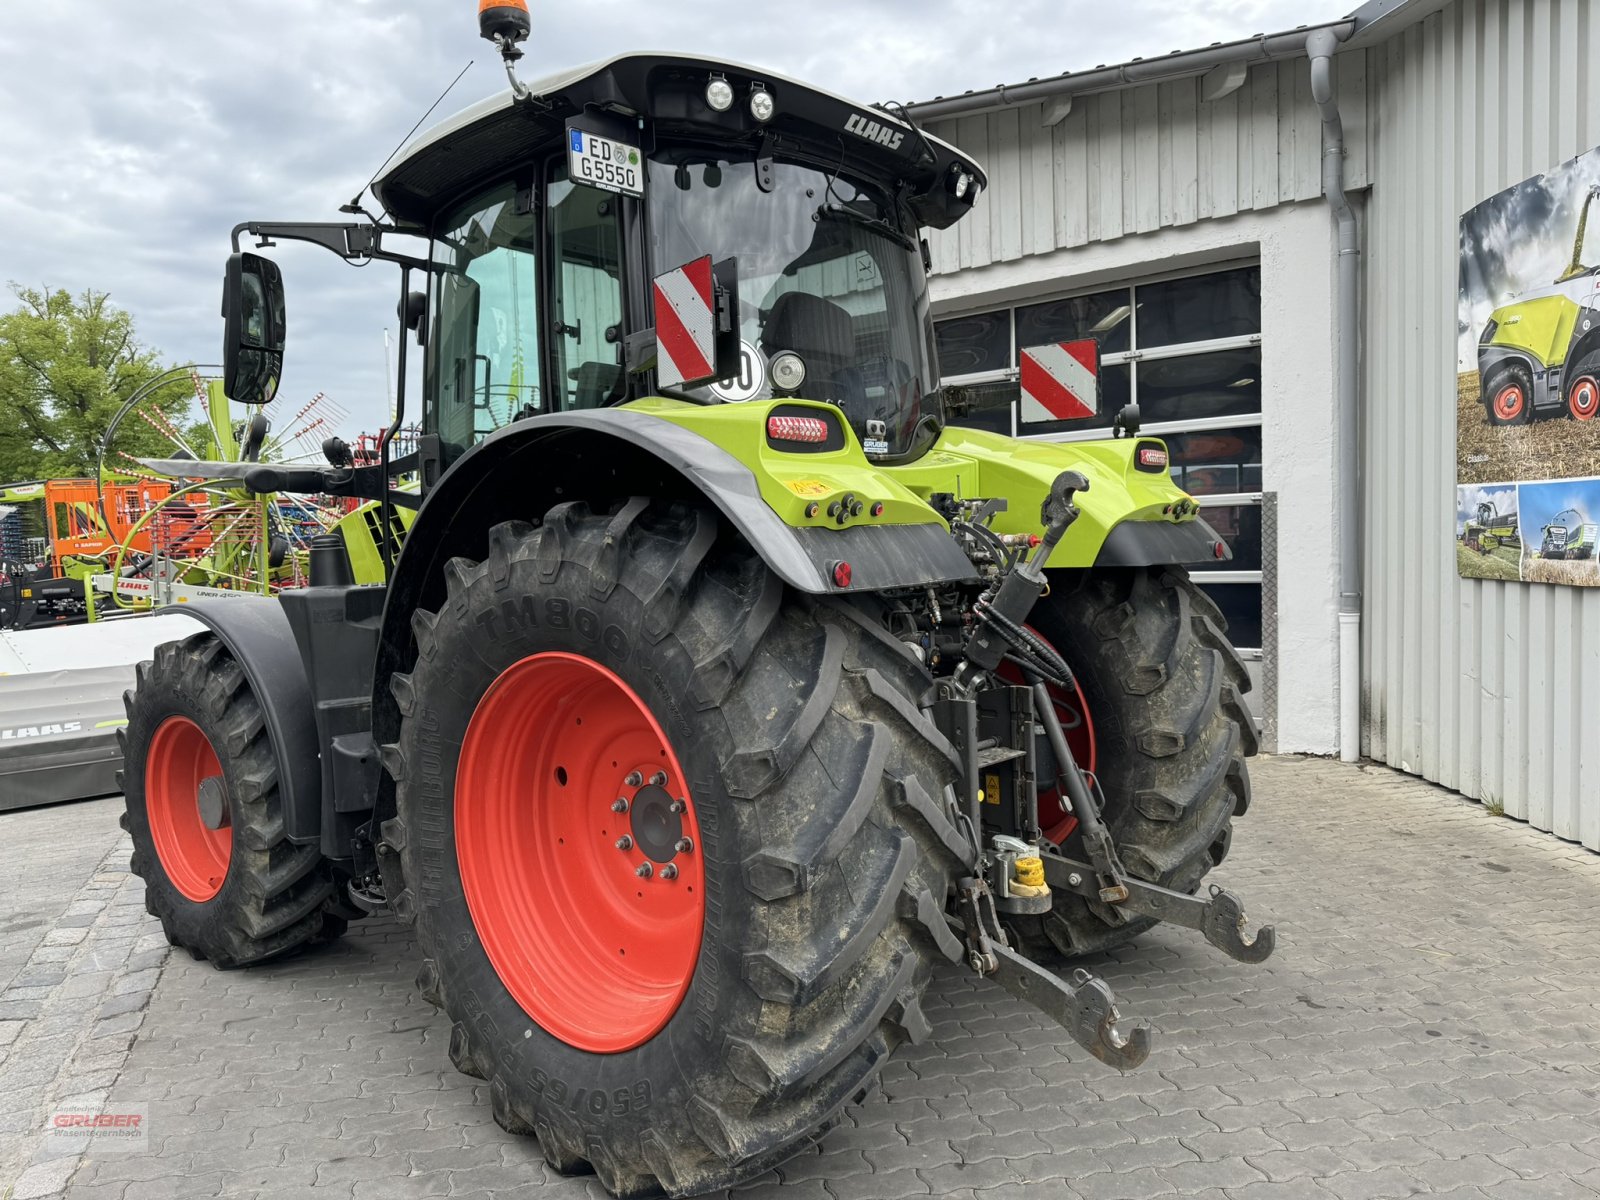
x: 576, y: 841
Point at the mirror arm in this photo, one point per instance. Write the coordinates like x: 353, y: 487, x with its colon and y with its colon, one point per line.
x: 355, y: 242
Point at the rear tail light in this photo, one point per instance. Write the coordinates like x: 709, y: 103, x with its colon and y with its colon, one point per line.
x: 1152, y: 458
x: 797, y: 429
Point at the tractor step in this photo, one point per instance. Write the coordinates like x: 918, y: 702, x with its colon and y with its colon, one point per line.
x: 1220, y: 917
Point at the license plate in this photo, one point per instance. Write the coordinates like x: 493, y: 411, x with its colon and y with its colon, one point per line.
x: 604, y: 163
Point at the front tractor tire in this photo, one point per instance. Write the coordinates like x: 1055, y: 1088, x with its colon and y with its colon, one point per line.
x: 204, y: 809
x: 1508, y: 394
x: 1164, y: 690
x: 677, y: 842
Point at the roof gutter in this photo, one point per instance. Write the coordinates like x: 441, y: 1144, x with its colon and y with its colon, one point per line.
x: 1179, y: 64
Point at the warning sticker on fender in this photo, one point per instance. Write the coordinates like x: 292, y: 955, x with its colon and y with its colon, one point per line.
x: 807, y: 487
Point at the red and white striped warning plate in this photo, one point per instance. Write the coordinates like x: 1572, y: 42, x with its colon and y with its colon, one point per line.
x: 1061, y: 382
x: 685, y: 326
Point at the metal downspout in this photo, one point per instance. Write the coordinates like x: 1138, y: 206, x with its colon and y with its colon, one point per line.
x: 1320, y: 46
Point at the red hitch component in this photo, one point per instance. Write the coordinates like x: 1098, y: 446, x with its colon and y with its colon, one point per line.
x: 797, y: 429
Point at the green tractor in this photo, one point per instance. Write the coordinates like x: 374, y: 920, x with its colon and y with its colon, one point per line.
x: 716, y: 692
x: 1540, y: 355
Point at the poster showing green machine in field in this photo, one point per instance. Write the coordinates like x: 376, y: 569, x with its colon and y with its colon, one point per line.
x: 1528, y: 382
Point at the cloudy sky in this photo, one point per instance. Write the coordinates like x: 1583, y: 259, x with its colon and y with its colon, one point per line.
x: 134, y: 134
x: 1542, y: 502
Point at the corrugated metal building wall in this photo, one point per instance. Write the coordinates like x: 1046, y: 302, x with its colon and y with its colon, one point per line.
x: 1488, y: 687
x: 1154, y: 157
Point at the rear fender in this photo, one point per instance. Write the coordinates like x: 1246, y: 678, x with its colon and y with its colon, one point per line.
x: 603, y: 455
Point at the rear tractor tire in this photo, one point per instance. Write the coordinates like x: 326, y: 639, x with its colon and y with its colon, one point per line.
x: 1164, y: 690
x: 1583, y: 394
x: 205, y: 813
x: 677, y: 842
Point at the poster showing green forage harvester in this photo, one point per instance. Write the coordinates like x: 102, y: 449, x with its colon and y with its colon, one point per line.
x: 1528, y: 382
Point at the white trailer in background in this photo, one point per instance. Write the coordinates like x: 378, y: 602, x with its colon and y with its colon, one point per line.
x: 61, y: 705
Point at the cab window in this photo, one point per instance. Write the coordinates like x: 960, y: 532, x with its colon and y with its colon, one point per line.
x: 586, y: 293
x: 483, y: 369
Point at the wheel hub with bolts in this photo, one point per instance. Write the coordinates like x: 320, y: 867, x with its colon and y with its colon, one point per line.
x: 186, y: 802
x: 576, y: 838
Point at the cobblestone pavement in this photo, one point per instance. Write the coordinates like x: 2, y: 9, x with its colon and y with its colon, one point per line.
x: 1429, y: 1026
x: 42, y: 870
x: 78, y: 961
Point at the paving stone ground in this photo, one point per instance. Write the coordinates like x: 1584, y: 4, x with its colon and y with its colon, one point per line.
x: 43, y: 869
x: 1430, y: 1025
x: 79, y: 963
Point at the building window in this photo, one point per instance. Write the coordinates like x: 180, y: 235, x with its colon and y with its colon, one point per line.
x: 1187, y: 350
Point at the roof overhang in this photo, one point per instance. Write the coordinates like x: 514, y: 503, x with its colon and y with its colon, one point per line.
x: 1177, y: 65
x: 662, y: 97
x: 1374, y: 21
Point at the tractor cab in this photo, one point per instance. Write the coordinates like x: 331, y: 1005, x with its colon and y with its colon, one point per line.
x: 550, y: 209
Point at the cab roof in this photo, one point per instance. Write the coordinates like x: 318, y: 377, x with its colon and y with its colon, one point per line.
x: 489, y: 140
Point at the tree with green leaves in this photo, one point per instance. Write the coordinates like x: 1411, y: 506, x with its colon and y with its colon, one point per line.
x: 67, y: 364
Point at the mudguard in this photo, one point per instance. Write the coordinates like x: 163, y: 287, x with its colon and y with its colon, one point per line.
x: 886, y: 556
x: 257, y: 634
x: 1152, y: 543
x: 523, y: 470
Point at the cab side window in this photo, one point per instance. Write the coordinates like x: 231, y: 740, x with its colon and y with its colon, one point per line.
x: 484, y: 360
x: 586, y: 293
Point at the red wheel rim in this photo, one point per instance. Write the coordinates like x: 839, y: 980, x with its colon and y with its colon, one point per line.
x: 1072, y: 709
x: 597, y: 953
x: 194, y: 857
x: 1508, y: 402
x: 1584, y: 399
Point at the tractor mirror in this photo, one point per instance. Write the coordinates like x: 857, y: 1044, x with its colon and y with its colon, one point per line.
x: 697, y: 323
x: 253, y: 310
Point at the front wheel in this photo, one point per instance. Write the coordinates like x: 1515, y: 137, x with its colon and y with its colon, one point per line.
x: 206, y: 813
x: 677, y: 842
x: 1164, y: 730
x: 1508, y: 394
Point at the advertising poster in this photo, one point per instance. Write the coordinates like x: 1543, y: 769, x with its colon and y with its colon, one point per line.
x: 1528, y: 382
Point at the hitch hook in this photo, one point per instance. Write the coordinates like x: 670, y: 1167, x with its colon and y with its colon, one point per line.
x: 1084, y: 1006
x: 1095, y: 1024
x: 1224, y: 924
